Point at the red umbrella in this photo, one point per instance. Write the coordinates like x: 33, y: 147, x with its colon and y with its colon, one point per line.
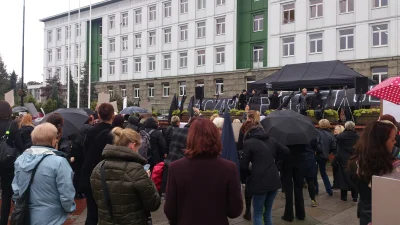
x: 388, y: 90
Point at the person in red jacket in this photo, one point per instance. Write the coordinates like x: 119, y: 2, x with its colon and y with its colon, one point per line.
x: 203, y: 188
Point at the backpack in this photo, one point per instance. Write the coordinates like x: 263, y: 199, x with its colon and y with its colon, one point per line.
x: 157, y: 175
x: 145, y: 140
x: 8, y: 154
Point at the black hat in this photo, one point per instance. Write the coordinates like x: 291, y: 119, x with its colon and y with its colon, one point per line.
x: 244, y: 90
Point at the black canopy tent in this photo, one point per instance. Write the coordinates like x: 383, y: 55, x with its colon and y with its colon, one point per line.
x: 306, y: 75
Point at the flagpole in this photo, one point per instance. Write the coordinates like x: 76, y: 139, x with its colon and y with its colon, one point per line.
x: 23, y: 54
x: 79, y: 57
x: 90, y: 52
x: 69, y: 49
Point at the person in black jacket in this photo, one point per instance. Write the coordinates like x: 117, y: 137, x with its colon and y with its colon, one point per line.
x: 310, y: 170
x: 25, y: 128
x: 317, y: 99
x: 242, y: 100
x: 96, y: 139
x: 158, y: 150
x: 7, y: 169
x: 274, y: 100
x: 63, y: 144
x: 133, y: 123
x: 345, y: 150
x: 261, y: 151
x: 175, y: 123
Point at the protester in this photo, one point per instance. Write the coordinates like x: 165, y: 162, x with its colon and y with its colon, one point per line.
x: 123, y: 167
x: 310, y: 170
x: 157, y: 142
x: 302, y: 102
x: 372, y: 157
x: 274, y: 101
x: 242, y: 100
x: 251, y: 115
x: 219, y: 123
x: 261, y: 151
x: 175, y: 123
x: 345, y: 150
x: 393, y: 120
x: 118, y: 121
x: 52, y: 193
x: 133, y: 123
x: 96, y: 139
x: 63, y: 144
x: 338, y: 130
x: 326, y: 145
x: 25, y: 128
x: 7, y: 168
x: 203, y: 180
x: 317, y: 99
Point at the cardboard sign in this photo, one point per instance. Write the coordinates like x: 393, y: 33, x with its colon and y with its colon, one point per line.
x: 32, y: 109
x: 391, y: 108
x: 103, y: 98
x: 9, y: 97
x: 385, y: 200
x: 115, y: 105
x: 236, y: 129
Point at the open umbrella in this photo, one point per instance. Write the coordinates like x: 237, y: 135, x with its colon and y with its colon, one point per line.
x: 289, y: 127
x: 172, y: 107
x: 74, y: 119
x: 388, y: 90
x: 133, y: 109
x: 182, y: 103
x: 19, y: 109
x: 229, y: 150
x: 88, y: 111
x: 190, y: 106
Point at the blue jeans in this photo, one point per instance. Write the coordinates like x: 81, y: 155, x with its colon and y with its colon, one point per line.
x: 321, y: 163
x: 259, y: 203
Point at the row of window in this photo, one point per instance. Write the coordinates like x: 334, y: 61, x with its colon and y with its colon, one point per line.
x: 183, y: 61
x: 67, y: 33
x: 317, y: 8
x: 346, y: 40
x: 67, y: 53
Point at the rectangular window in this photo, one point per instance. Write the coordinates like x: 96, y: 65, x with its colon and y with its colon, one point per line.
x: 66, y: 74
x: 101, y: 29
x: 58, y: 54
x: 258, y: 53
x: 67, y: 32
x: 100, y: 49
x: 78, y: 51
x: 78, y: 30
x: 152, y: 63
x: 138, y: 16
x: 124, y: 43
x: 150, y: 89
x: 152, y: 38
x: 288, y: 46
x: 167, y: 62
x: 136, y: 91
x: 346, y: 6
x: 316, y: 8
x: 167, y: 9
x: 249, y: 80
x: 380, y: 3
x: 167, y: 35
x: 124, y: 64
x: 346, y: 39
x: 100, y: 71
x: 258, y: 23
x: 379, y: 74
x: 152, y: 13
x: 183, y: 59
x: 49, y: 73
x: 288, y: 13
x: 111, y: 92
x: 49, y: 55
x: 316, y: 43
x: 219, y: 86
x: 49, y: 36
x: 123, y: 92
x: 67, y: 52
x: 182, y: 88
x: 184, y: 6
x: 221, y: 2
x: 111, y: 66
x: 138, y: 40
x: 380, y: 35
x: 138, y: 64
x: 77, y: 71
x: 124, y: 19
x: 58, y: 72
x: 165, y: 89
x: 201, y: 57
x: 201, y: 30
x: 112, y: 45
x: 111, y: 20
x: 220, y: 26
x: 58, y: 34
x: 201, y: 4
x: 184, y: 32
x: 220, y: 54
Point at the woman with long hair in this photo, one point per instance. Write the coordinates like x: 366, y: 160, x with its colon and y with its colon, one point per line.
x: 125, y: 176
x: 203, y: 188
x: 372, y: 157
x: 25, y: 128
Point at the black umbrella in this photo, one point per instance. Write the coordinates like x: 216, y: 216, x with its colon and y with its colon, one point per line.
x: 182, y: 103
x: 19, y: 109
x: 74, y: 119
x: 88, y: 111
x: 133, y: 109
x: 172, y: 107
x: 190, y: 106
x: 289, y: 127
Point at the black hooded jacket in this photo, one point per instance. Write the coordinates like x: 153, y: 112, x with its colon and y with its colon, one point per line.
x: 26, y: 136
x: 133, y: 123
x: 157, y: 143
x: 261, y: 151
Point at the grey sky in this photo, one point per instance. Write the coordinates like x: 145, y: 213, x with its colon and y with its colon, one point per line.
x: 11, y: 32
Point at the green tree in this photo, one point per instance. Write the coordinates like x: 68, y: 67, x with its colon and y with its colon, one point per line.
x: 13, y: 80
x: 73, y: 98
x: 84, y: 87
x: 54, y: 90
x: 50, y: 105
x: 119, y: 100
x: 30, y: 99
x: 4, y: 79
x: 33, y: 83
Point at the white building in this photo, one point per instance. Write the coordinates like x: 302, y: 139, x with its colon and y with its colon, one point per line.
x: 320, y: 30
x: 36, y: 91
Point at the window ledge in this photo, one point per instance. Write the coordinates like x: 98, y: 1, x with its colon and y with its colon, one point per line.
x: 183, y: 40
x: 181, y: 68
x: 288, y: 56
x: 219, y: 64
x: 381, y: 7
x: 220, y: 34
x: 346, y: 50
x: 165, y: 96
x: 137, y: 72
x: 345, y: 13
x: 380, y: 46
x: 315, y: 53
x: 200, y: 65
x: 315, y: 18
x: 167, y: 69
x: 220, y: 5
x: 289, y: 23
x: 183, y: 13
x: 255, y: 31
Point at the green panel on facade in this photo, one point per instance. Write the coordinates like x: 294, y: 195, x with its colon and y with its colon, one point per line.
x: 96, y: 43
x: 246, y: 36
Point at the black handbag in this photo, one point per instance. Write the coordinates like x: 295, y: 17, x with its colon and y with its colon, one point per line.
x: 8, y: 154
x: 20, y: 215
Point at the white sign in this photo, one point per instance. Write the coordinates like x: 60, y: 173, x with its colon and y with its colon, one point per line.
x: 9, y: 97
x: 392, y: 109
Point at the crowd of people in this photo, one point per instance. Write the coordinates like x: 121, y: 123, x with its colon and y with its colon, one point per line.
x: 125, y: 167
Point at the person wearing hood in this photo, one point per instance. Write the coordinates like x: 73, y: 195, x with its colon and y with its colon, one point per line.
x: 274, y: 100
x: 25, y: 128
x: 52, y: 192
x: 317, y: 99
x: 345, y: 150
x: 133, y: 123
x: 261, y: 151
x: 242, y: 100
x: 175, y: 123
x: 158, y: 150
x: 123, y: 167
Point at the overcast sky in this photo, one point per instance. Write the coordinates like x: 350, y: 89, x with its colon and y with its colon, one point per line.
x: 11, y: 32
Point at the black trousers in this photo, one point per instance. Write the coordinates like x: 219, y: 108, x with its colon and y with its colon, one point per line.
x: 91, y: 206
x: 311, y: 188
x: 6, y: 176
x: 303, y: 112
x: 354, y: 194
x: 293, y: 183
x: 247, y: 198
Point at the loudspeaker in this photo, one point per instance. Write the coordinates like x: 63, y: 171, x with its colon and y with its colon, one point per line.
x: 361, y: 85
x: 199, y: 91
